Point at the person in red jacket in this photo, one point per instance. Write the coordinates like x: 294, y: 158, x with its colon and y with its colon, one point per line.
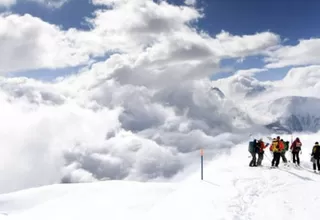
x: 295, y: 150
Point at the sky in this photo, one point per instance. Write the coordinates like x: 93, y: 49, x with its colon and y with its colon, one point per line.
x: 290, y: 20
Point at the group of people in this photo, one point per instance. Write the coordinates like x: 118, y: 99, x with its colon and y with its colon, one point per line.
x: 278, y: 148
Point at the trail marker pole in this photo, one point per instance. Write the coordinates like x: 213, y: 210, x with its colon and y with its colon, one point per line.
x: 201, y: 154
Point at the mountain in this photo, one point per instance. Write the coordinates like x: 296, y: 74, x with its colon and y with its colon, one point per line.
x: 241, y: 87
x: 283, y: 106
x: 294, y: 114
x: 219, y: 93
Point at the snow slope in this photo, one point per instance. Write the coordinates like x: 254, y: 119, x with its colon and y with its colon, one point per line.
x: 231, y: 190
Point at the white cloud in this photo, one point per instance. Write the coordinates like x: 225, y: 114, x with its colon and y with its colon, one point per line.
x: 250, y: 72
x: 7, y: 3
x: 48, y: 3
x: 306, y: 52
x: 27, y: 42
x: 159, y: 37
x: 88, y: 128
x: 228, y: 45
x: 303, y: 77
x: 190, y: 2
x: 156, y: 31
x: 51, y: 3
x: 150, y: 23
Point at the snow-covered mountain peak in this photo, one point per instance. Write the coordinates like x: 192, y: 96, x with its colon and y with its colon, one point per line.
x: 218, y: 92
x: 294, y: 113
x: 297, y: 105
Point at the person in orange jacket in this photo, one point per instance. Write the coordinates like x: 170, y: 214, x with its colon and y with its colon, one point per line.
x: 276, y: 147
x: 261, y: 147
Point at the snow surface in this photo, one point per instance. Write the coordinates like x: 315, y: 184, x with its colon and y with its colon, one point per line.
x: 230, y: 190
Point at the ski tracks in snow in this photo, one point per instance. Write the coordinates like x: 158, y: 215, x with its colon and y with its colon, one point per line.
x: 253, y: 186
x: 247, y: 189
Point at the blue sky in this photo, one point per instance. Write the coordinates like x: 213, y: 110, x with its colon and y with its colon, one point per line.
x: 70, y: 15
x: 291, y: 19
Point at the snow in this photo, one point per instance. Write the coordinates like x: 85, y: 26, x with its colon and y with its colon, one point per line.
x: 230, y: 190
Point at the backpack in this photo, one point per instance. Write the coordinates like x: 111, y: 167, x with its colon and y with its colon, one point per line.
x: 297, y: 147
x: 274, y: 146
x: 286, y: 145
x: 316, y: 150
x: 251, y: 147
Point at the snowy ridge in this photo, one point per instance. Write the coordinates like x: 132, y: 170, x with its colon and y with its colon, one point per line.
x: 288, y: 105
x: 293, y: 113
x: 222, y: 195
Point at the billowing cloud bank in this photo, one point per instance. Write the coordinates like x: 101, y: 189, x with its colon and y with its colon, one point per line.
x: 142, y: 114
x: 90, y: 128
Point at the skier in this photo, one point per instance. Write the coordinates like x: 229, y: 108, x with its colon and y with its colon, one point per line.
x: 296, y: 149
x: 316, y: 156
x: 261, y: 146
x: 276, y: 147
x: 255, y: 150
x: 283, y: 153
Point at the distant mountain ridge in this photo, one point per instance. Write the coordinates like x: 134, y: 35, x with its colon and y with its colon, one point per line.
x: 287, y: 114
x: 295, y: 114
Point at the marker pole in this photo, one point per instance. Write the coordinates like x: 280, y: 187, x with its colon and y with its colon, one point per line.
x: 201, y: 154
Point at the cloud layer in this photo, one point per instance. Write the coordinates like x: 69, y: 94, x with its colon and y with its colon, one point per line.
x: 79, y: 130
